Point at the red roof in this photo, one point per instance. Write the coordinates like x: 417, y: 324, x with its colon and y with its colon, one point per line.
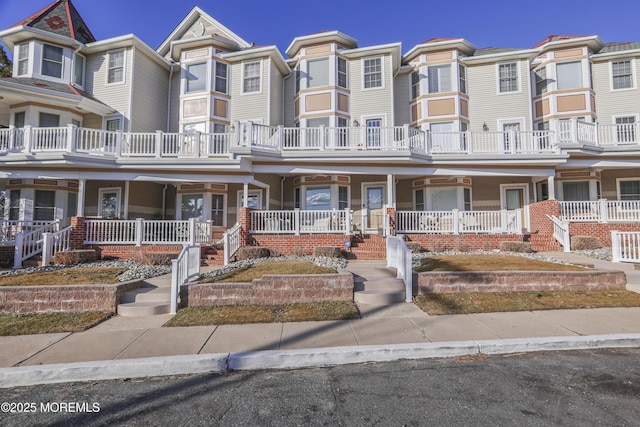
x: 60, y: 17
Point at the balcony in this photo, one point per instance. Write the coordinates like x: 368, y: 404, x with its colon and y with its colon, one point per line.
x: 618, y: 135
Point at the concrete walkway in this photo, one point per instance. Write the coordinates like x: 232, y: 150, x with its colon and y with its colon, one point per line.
x: 128, y: 341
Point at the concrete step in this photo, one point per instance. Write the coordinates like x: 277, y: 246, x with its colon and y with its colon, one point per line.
x: 379, y: 297
x: 140, y: 309
x: 377, y: 286
x: 162, y: 295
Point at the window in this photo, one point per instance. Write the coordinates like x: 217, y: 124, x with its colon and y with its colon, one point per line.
x: 419, y: 202
x: 343, y: 197
x: 52, y: 61
x: 542, y: 191
x: 343, y: 132
x: 221, y: 77
x: 569, y: 75
x: 109, y: 202
x: 18, y: 119
x: 78, y: 70
x: 196, y: 77
x: 541, y: 80
x: 112, y: 125
x: 318, y: 198
x: 14, y: 205
x: 444, y: 198
x: 626, y: 129
x: 254, y: 201
x: 621, y: 75
x: 318, y: 72
x: 296, y: 198
x: 508, y: 77
x: 44, y: 205
x: 298, y: 76
x: 372, y: 73
x: 251, y: 77
x: 72, y: 204
x: 342, y: 73
x: 373, y: 132
x: 574, y: 191
x: 191, y: 206
x: 47, y: 120
x: 115, y: 67
x: 415, y: 85
x: 466, y: 193
x: 23, y: 59
x: 629, y: 190
x: 217, y: 209
x: 463, y: 78
x: 439, y: 78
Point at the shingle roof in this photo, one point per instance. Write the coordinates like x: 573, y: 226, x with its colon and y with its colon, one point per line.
x: 494, y: 50
x: 555, y: 38
x: 60, y: 17
x: 62, y: 88
x: 619, y: 47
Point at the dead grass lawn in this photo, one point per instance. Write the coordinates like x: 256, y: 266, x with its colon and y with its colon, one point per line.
x: 481, y: 262
x: 247, y: 274
x: 66, y: 276
x: 48, y: 323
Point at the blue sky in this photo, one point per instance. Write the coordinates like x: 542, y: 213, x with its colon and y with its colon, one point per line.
x: 499, y: 23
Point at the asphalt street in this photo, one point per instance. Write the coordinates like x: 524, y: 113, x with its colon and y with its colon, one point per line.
x: 581, y: 388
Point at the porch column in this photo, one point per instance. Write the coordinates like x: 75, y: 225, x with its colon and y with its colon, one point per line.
x: 551, y: 183
x: 125, y: 213
x: 245, y: 193
x: 391, y: 191
x: 80, y: 198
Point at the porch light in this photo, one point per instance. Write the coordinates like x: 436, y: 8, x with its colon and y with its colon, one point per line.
x: 356, y: 123
x: 485, y: 128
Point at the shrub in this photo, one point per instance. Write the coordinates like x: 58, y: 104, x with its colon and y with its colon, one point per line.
x: 327, y: 251
x: 515, y: 246
x: 252, y: 252
x: 439, y: 247
x: 155, y: 258
x: 414, y: 246
x: 581, y: 243
x: 75, y: 257
x: 462, y: 247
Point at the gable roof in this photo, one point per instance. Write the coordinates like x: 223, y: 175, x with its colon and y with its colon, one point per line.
x: 556, y: 38
x: 62, y: 18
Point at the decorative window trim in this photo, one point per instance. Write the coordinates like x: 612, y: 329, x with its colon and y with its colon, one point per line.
x: 51, y: 60
x: 124, y: 67
x: 632, y: 66
x: 244, y: 77
x: 253, y: 192
x: 518, y: 78
x: 364, y: 73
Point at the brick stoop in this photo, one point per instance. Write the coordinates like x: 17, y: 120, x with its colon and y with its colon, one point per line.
x: 368, y: 246
x: 212, y: 256
x: 543, y: 243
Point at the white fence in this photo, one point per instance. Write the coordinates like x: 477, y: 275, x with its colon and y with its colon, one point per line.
x: 231, y: 241
x: 9, y: 229
x: 185, y: 267
x: 399, y: 257
x: 52, y: 243
x: 625, y: 246
x: 600, y: 211
x: 561, y: 232
x: 301, y: 221
x: 456, y: 221
x: 147, y: 232
x: 29, y: 243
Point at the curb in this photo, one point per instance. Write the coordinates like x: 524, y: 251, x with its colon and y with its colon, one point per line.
x: 292, y: 359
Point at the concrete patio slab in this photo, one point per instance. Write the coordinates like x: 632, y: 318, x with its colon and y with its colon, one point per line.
x: 454, y: 328
x: 316, y: 334
x: 254, y: 337
x: 521, y: 324
x: 168, y: 342
x: 596, y: 320
x: 14, y: 350
x: 372, y: 331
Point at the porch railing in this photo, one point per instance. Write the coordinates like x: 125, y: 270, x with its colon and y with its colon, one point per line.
x: 576, y: 131
x: 53, y: 243
x: 185, y: 267
x: 456, y: 221
x: 600, y: 211
x: 30, y: 243
x: 147, y: 232
x: 301, y: 221
x: 561, y: 232
x: 231, y: 242
x: 9, y: 229
x: 625, y: 246
x: 399, y: 257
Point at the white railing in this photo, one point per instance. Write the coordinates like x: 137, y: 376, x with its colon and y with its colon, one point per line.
x: 301, y: 221
x: 11, y: 139
x: 147, y: 232
x: 600, y: 211
x: 52, y: 243
x: 29, y: 243
x: 185, y: 267
x: 49, y: 139
x: 561, y: 232
x: 399, y: 257
x: 625, y: 246
x: 9, y: 229
x: 231, y: 241
x: 457, y: 222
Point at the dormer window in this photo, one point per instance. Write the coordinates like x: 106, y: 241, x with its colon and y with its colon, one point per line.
x: 23, y: 59
x: 78, y: 70
x: 52, y: 61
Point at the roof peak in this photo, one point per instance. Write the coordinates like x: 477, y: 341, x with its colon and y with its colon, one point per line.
x: 60, y: 17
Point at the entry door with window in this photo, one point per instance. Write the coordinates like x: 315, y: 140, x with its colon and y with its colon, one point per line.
x: 109, y: 202
x: 112, y: 126
x: 373, y: 133
x: 373, y: 208
x: 511, y: 136
x: 514, y: 198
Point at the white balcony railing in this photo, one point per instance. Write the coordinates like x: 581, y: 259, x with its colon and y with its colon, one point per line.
x: 600, y: 211
x: 457, y: 222
x: 301, y: 221
x: 147, y: 232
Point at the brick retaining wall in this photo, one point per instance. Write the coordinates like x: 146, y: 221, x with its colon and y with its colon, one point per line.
x: 519, y: 281
x: 270, y: 289
x: 600, y: 230
x: 129, y: 251
x: 68, y: 298
x: 288, y: 244
x: 463, y: 242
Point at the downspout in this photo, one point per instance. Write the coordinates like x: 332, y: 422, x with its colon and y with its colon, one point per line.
x: 170, y: 88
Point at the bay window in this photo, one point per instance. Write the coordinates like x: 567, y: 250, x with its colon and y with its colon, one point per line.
x: 196, y: 77
x: 221, y: 77
x: 569, y: 75
x: 52, y: 61
x: 318, y: 72
x: 23, y: 59
x: 439, y: 78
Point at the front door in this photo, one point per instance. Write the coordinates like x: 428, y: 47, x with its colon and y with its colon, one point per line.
x: 515, y: 198
x: 373, y: 208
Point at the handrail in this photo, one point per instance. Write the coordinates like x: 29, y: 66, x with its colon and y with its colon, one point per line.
x: 52, y: 243
x: 231, y: 242
x: 28, y: 244
x: 561, y: 232
x: 185, y: 267
x: 399, y: 257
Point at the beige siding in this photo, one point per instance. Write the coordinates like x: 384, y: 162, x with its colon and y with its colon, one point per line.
x: 276, y: 95
x: 249, y: 106
x: 487, y: 106
x: 289, y: 105
x: 175, y: 101
x: 114, y: 95
x: 610, y: 179
x: 92, y: 121
x: 371, y: 101
x: 401, y: 95
x: 151, y: 86
x: 273, y: 181
x: 614, y: 103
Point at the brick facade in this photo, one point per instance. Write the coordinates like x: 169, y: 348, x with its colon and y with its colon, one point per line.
x: 519, y: 281
x: 70, y: 298
x: 270, y: 289
x: 600, y: 230
x: 130, y: 251
x: 304, y: 244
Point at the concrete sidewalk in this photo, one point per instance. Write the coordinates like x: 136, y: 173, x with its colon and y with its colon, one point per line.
x: 381, y: 329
